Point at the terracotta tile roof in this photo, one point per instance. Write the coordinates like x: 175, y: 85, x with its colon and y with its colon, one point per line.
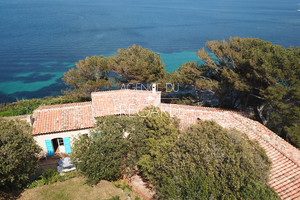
x: 65, y: 117
x: 76, y: 116
x: 285, y: 169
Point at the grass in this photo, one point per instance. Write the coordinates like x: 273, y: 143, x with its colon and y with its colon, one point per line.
x: 52, y: 176
x: 76, y: 188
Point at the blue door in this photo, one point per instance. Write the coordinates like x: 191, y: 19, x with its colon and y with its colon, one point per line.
x: 67, y: 145
x: 49, y: 147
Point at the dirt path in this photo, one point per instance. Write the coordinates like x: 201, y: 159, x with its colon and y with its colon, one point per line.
x: 141, y: 187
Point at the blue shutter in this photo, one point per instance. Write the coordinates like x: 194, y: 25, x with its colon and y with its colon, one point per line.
x: 67, y: 145
x: 49, y: 148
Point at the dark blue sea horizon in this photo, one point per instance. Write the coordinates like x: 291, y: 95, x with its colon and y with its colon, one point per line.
x: 40, y: 40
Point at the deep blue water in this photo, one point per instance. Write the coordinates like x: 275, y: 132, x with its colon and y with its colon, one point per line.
x: 40, y: 40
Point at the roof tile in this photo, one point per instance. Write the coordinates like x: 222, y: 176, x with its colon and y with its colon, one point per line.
x: 65, y: 117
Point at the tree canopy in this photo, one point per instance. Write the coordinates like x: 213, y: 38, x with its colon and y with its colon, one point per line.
x: 18, y: 154
x: 251, y: 75
x: 250, y: 68
x: 209, y: 162
x: 115, y: 145
x: 130, y: 65
x: 138, y: 65
x: 106, y: 153
x: 90, y: 75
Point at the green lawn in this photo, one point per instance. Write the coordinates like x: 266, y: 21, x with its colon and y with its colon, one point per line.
x: 76, y: 188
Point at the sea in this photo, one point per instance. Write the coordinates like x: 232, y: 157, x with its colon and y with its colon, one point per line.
x: 40, y: 40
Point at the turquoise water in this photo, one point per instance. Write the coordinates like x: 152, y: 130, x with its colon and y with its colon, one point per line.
x: 172, y: 62
x: 11, y: 87
x: 41, y: 39
x: 175, y: 60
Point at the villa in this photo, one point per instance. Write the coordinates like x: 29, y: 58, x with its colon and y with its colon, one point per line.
x: 54, y: 127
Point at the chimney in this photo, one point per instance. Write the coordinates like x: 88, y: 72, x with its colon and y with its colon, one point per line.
x: 153, y: 88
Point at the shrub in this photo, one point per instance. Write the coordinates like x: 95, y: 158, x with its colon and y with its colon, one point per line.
x: 258, y: 190
x: 122, y: 184
x: 117, y: 142
x: 21, y: 107
x: 102, y: 154
x: 208, y: 162
x: 27, y: 106
x: 18, y: 154
x: 51, y: 176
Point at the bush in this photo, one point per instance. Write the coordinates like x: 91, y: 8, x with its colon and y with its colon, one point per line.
x: 102, y: 154
x: 258, y: 190
x: 18, y: 154
x: 51, y: 176
x: 208, y: 162
x: 122, y: 184
x: 24, y: 107
x: 117, y: 142
x: 21, y: 107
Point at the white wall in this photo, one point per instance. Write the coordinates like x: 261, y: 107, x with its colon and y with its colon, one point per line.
x: 40, y: 139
